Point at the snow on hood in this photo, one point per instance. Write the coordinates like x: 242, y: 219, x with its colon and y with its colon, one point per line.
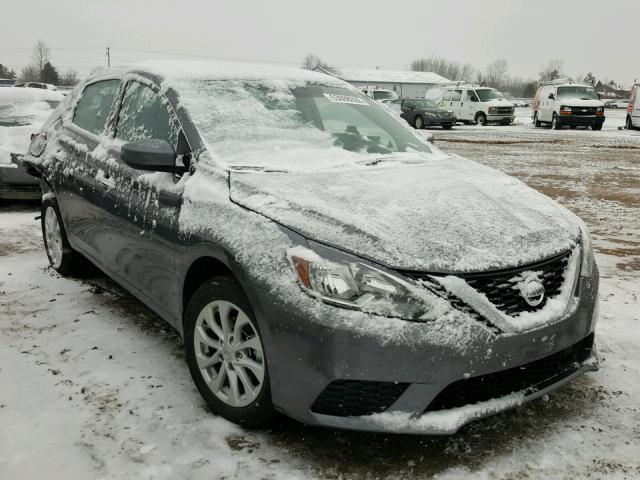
x: 451, y: 215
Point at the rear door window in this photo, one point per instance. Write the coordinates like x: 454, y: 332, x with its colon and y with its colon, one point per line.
x: 95, y: 104
x: 146, y: 115
x: 456, y: 95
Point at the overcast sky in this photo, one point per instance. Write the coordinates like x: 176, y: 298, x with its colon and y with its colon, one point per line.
x: 597, y: 36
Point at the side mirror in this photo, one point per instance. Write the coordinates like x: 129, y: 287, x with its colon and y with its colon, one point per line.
x: 153, y: 155
x: 552, y: 96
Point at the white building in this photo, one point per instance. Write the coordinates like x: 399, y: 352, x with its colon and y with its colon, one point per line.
x: 406, y: 84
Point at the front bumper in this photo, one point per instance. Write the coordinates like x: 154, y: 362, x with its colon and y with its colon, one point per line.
x: 501, y: 117
x: 306, y: 356
x: 440, y: 121
x: 580, y: 120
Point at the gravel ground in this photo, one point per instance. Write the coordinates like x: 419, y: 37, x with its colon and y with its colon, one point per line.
x: 93, y: 385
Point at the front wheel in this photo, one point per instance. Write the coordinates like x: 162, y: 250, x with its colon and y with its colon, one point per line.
x: 481, y: 119
x: 447, y: 127
x: 555, y: 125
x: 597, y: 126
x: 225, y: 353
x: 418, y: 122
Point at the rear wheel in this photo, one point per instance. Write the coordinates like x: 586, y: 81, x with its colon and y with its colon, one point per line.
x: 481, y: 119
x: 537, y: 123
x: 418, y: 122
x: 62, y: 257
x: 225, y: 354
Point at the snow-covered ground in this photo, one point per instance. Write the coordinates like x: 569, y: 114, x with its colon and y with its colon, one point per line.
x: 94, y: 385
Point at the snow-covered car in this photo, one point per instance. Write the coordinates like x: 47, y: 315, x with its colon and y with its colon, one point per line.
x: 39, y: 85
x: 562, y: 103
x: 379, y: 94
x: 22, y: 113
x: 472, y: 103
x: 329, y: 264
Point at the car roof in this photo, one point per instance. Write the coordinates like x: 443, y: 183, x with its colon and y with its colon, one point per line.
x: 208, y: 70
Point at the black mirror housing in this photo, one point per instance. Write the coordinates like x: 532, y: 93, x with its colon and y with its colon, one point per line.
x: 153, y: 155
x: 551, y: 96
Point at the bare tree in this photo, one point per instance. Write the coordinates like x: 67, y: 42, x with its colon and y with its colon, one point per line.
x: 69, y: 78
x: 40, y: 57
x: 552, y: 71
x: 496, y: 73
x: 589, y: 78
x: 448, y: 69
x: 312, y: 62
x: 29, y: 74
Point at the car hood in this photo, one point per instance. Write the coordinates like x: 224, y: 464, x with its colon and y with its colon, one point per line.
x: 499, y: 102
x: 450, y: 215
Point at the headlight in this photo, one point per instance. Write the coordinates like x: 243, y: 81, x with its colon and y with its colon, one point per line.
x: 565, y: 109
x: 430, y: 114
x: 588, y: 261
x: 493, y: 110
x: 354, y: 285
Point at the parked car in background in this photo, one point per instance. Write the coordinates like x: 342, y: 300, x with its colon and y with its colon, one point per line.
x: 22, y: 113
x: 40, y: 85
x: 620, y: 104
x: 610, y: 103
x: 520, y: 103
x: 564, y: 103
x: 469, y: 103
x: 423, y: 113
x: 379, y: 93
x: 633, y: 109
x: 332, y: 265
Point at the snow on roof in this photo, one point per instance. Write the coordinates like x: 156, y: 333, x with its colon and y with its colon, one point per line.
x: 387, y: 76
x: 211, y: 70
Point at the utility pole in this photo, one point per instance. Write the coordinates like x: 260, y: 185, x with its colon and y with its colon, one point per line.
x: 108, y: 57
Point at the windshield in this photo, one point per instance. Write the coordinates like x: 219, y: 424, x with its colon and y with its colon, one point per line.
x: 252, y: 123
x: 487, y: 94
x: 423, y: 103
x: 381, y: 95
x: 583, y: 93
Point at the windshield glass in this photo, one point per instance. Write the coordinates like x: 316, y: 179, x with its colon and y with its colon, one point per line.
x: 423, y: 103
x: 251, y: 123
x: 575, y: 91
x: 487, y: 94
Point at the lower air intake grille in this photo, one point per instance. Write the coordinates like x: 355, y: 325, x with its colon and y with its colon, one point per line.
x: 530, y: 377
x: 352, y: 398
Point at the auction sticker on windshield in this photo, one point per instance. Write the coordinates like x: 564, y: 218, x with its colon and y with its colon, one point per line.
x: 335, y: 98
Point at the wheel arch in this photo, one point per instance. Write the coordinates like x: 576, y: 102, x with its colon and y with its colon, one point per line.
x: 201, y: 269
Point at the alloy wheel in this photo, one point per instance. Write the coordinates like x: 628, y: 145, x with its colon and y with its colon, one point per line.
x: 229, y: 353
x: 419, y: 123
x: 53, y: 237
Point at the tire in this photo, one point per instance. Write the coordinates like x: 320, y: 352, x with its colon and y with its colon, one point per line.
x: 447, y: 127
x: 418, y: 123
x: 554, y: 122
x: 628, y: 124
x: 213, y: 356
x: 62, y: 257
x: 596, y: 126
x: 537, y: 123
x: 481, y: 119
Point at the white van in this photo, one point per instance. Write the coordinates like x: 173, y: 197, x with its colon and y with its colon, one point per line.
x: 563, y: 102
x: 471, y: 103
x: 633, y: 110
